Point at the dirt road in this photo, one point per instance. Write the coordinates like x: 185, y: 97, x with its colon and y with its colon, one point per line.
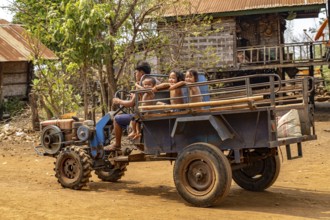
x: 29, y: 190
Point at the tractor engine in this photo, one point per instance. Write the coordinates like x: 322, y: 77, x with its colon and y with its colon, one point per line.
x: 59, y: 133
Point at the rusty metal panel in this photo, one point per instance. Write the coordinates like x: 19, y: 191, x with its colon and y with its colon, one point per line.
x: 212, y: 6
x: 15, y: 45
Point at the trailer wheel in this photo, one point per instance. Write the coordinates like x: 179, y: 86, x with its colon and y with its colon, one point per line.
x: 111, y: 175
x: 202, y: 175
x: 73, y: 167
x: 260, y: 175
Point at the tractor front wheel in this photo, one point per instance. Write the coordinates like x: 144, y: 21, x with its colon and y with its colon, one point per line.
x: 73, y: 167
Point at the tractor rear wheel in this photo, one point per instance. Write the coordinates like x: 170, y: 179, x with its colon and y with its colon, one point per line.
x: 111, y: 175
x: 202, y: 175
x: 73, y: 167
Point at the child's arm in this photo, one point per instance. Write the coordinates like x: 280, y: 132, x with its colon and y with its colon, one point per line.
x: 177, y: 85
x: 161, y: 86
x: 138, y: 86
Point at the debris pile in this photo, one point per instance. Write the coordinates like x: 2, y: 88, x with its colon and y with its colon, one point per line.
x: 14, y: 134
x: 18, y: 129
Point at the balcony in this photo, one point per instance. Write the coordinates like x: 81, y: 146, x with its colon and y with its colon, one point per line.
x: 281, y: 56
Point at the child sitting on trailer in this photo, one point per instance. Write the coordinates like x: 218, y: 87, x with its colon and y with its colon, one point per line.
x: 147, y: 83
x: 191, y: 76
x: 175, y: 93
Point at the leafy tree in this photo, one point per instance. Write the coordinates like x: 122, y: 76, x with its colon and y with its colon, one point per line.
x: 57, y: 96
x: 95, y: 36
x: 103, y: 38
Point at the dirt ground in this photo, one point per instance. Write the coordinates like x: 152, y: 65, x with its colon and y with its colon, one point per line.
x: 29, y: 189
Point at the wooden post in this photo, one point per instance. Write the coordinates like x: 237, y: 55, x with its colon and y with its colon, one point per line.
x: 34, y: 112
x: 1, y: 98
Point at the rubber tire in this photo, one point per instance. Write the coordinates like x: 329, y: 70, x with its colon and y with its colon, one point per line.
x: 208, y: 157
x: 260, y: 175
x: 73, y: 167
x: 112, y: 175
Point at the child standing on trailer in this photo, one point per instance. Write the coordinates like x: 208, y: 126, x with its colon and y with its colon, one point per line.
x: 147, y: 83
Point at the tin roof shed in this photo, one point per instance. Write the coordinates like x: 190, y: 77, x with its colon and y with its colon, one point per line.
x: 16, y: 45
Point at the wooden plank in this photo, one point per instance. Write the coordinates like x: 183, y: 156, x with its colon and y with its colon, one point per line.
x: 202, y: 104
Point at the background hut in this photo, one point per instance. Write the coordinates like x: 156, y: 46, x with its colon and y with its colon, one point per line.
x: 17, y: 51
x: 251, y: 37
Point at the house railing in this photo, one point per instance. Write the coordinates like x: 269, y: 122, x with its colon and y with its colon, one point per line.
x: 281, y: 54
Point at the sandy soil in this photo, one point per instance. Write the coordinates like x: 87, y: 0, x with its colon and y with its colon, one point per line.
x: 29, y: 189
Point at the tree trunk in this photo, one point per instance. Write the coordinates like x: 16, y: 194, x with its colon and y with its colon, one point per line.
x: 84, y: 74
x: 44, y: 106
x: 1, y: 99
x: 112, y: 83
x: 34, y: 111
x: 104, y: 95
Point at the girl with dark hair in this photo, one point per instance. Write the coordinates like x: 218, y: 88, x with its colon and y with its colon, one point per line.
x: 175, y: 92
x: 191, y: 76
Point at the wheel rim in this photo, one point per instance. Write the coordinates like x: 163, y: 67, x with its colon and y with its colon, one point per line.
x: 71, y: 170
x: 51, y: 139
x: 198, y: 177
x: 255, y: 171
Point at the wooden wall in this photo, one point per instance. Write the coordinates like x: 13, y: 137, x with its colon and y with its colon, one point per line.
x: 253, y: 29
x: 192, y: 52
x: 15, y: 79
x: 258, y: 30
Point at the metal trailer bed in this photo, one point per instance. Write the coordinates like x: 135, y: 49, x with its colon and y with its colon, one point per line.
x: 232, y: 135
x: 240, y: 115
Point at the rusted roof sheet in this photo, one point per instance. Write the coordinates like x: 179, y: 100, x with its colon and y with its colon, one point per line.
x: 15, y: 45
x: 220, y: 6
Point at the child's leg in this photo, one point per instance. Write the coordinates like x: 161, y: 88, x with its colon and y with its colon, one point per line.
x: 133, y: 126
x: 138, y: 131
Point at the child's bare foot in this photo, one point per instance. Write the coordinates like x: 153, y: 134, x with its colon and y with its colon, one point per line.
x: 112, y: 147
x: 137, y: 136
x: 131, y: 135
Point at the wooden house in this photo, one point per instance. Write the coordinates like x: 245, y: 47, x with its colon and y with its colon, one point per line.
x: 17, y: 51
x: 251, y: 37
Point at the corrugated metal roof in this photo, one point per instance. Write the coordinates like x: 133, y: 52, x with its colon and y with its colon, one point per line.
x: 15, y: 46
x: 220, y: 6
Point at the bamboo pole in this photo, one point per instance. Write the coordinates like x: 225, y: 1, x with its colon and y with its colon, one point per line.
x: 201, y: 104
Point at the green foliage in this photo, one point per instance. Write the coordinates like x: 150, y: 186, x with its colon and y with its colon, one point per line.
x: 94, y: 40
x: 36, y: 18
x: 51, y: 86
x: 326, y: 77
x: 13, y: 106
